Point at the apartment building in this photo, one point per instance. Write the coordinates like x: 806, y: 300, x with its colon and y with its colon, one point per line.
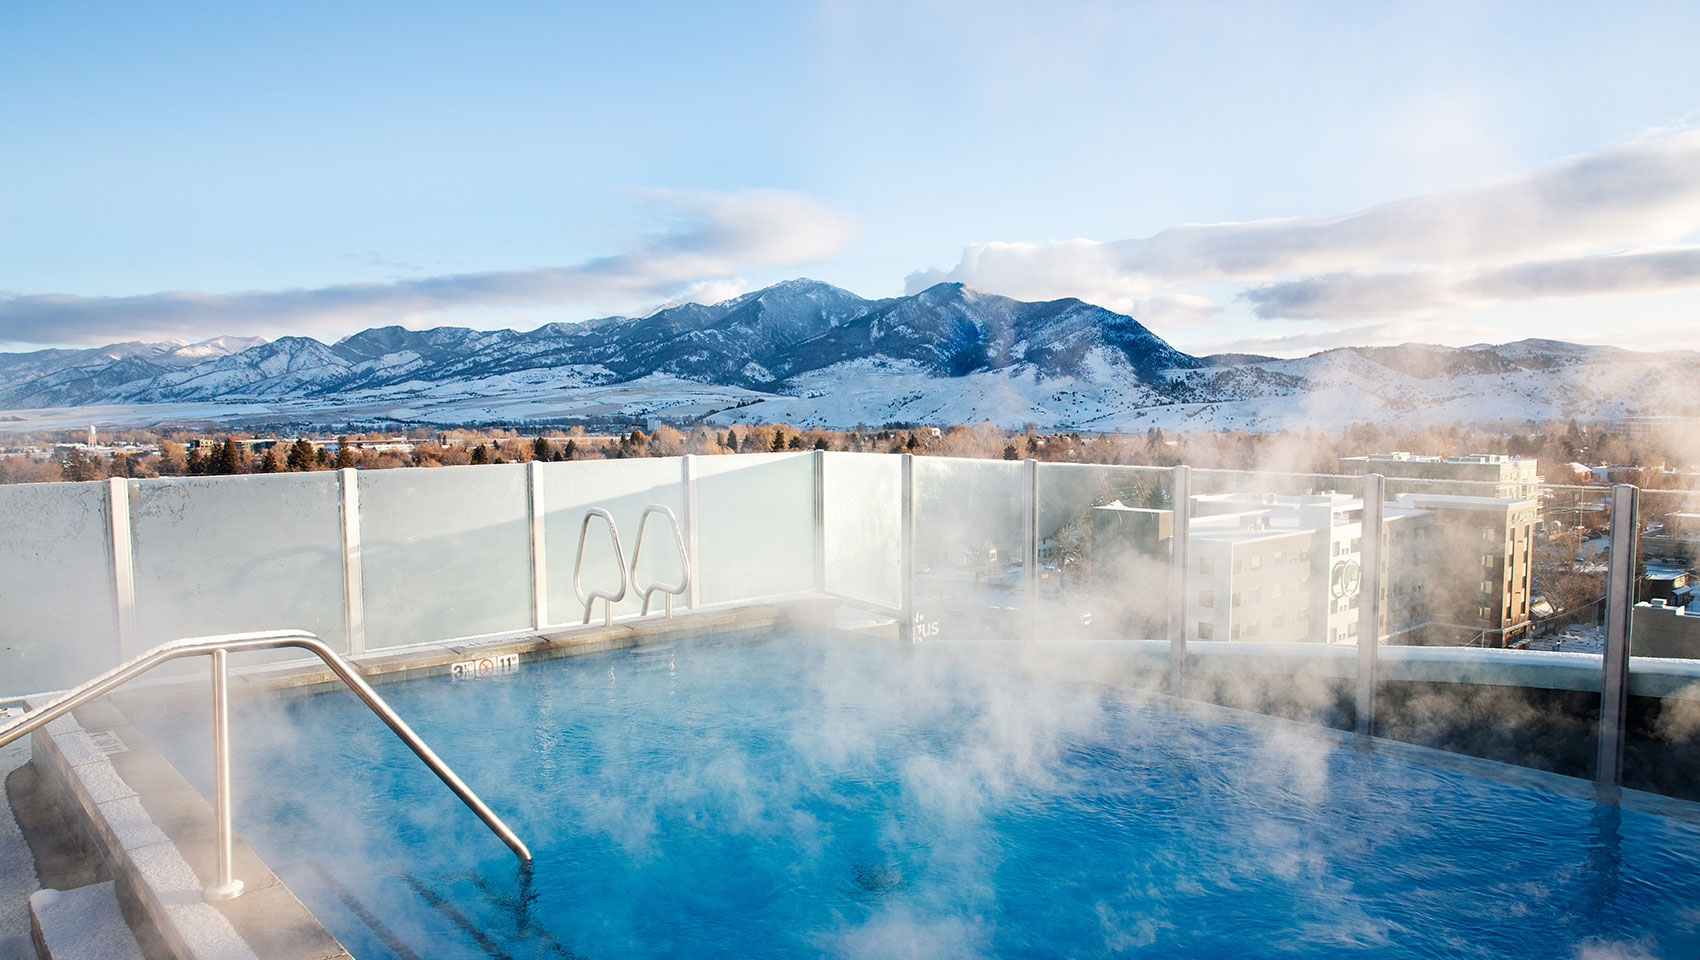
x: 1290, y: 569
x: 1482, y: 567
x: 1478, y: 474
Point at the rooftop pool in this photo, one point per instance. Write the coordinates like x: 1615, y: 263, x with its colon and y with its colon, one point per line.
x: 788, y: 795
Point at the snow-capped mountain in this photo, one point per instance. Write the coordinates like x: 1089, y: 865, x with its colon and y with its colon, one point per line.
x: 809, y: 353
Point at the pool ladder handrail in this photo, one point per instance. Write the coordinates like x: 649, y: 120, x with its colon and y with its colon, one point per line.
x: 218, y: 647
x: 668, y: 590
x: 597, y: 593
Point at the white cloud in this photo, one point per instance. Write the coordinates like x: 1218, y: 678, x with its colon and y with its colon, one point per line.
x: 1589, y: 224
x: 706, y: 240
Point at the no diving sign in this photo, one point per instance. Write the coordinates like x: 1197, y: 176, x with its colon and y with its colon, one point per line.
x: 485, y: 667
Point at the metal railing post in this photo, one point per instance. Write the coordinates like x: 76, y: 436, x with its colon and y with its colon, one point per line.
x: 689, y: 474
x: 1178, y: 541
x: 123, y: 565
x: 353, y: 597
x: 539, y: 553
x: 906, y: 547
x: 1369, y: 610
x: 1620, y: 608
x: 820, y: 519
x: 1030, y: 549
x: 226, y: 887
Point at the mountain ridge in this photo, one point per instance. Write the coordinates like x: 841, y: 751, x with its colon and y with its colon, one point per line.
x: 786, y: 351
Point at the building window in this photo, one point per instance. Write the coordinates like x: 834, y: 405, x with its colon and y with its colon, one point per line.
x: 1255, y: 595
x: 1357, y: 544
x: 1275, y: 591
x: 1236, y: 598
x: 1487, y: 559
x: 1253, y: 628
x: 1257, y: 562
x: 1206, y: 631
x: 1484, y: 612
x: 1279, y: 558
x: 1207, y: 598
x: 1234, y: 632
x: 1487, y: 586
x: 1351, y: 630
x: 1277, y: 621
x: 1206, y: 565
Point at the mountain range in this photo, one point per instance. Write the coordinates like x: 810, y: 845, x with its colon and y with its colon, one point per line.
x: 809, y: 353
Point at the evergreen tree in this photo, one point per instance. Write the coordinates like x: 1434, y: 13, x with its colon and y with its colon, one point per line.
x: 1010, y: 453
x: 571, y: 453
x: 344, y: 454
x: 227, y: 459
x: 540, y: 449
x: 268, y: 463
x: 913, y: 444
x: 323, y: 458
x: 821, y: 444
x: 778, y: 440
x: 76, y: 467
x: 796, y: 442
x: 300, y: 455
x: 481, y: 454
x: 197, y: 463
x: 732, y: 441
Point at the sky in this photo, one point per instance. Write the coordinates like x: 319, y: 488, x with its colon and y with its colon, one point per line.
x: 1272, y: 178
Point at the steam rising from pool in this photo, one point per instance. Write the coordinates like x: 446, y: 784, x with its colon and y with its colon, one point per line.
x: 842, y: 797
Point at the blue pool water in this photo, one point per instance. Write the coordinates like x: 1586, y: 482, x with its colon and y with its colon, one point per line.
x: 806, y: 797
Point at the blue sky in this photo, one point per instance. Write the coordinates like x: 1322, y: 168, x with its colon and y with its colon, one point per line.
x: 193, y: 170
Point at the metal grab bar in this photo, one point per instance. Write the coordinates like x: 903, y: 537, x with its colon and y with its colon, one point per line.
x: 598, y: 593
x: 219, y: 648
x: 668, y: 589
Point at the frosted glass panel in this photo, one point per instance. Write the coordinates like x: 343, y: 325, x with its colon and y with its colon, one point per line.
x: 445, y: 553
x: 864, y: 508
x: 1103, y: 550
x: 756, y: 530
x: 969, y: 525
x: 234, y: 554
x: 56, y: 607
x: 623, y: 488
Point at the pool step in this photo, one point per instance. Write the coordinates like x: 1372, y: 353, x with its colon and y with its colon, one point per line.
x: 82, y: 924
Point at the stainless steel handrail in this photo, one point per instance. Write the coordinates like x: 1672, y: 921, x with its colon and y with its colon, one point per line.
x: 667, y: 589
x: 589, y: 599
x: 219, y: 647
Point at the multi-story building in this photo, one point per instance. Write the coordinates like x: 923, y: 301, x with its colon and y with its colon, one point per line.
x: 1481, y: 567
x: 1271, y: 568
x: 1478, y: 474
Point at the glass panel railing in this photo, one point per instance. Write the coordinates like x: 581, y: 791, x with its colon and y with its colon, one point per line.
x: 969, y: 522
x: 445, y: 553
x: 1662, y: 745
x: 1493, y: 650
x: 863, y: 526
x: 756, y: 533
x: 59, y: 622
x: 623, y: 488
x: 233, y: 554
x: 1275, y: 585
x: 1104, y: 541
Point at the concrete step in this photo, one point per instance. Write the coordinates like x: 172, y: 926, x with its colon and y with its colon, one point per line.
x: 81, y: 924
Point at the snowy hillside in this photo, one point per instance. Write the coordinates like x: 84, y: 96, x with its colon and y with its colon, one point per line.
x: 808, y: 353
